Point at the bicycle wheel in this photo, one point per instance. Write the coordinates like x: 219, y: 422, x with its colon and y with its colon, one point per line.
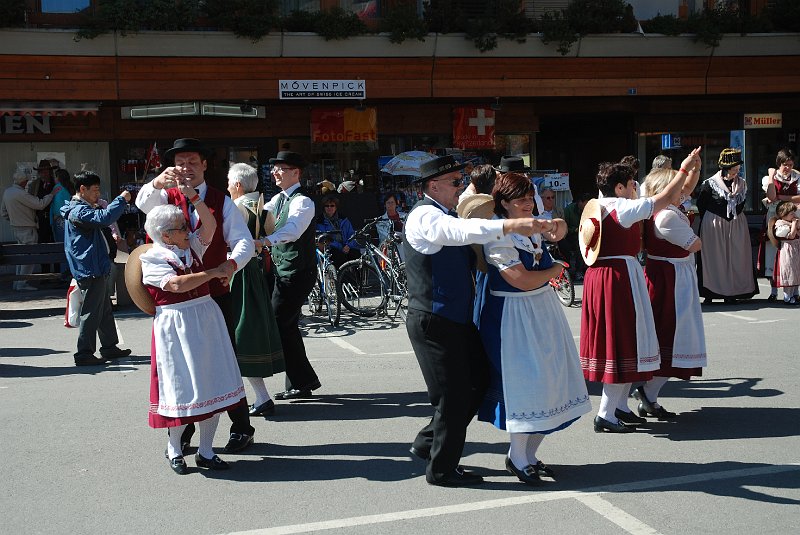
x: 331, y: 295
x: 564, y: 288
x: 360, y: 288
x: 399, y: 293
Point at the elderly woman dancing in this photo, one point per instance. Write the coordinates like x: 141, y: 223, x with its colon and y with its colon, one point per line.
x: 536, y: 386
x: 258, y: 342
x: 194, y: 372
x: 672, y: 286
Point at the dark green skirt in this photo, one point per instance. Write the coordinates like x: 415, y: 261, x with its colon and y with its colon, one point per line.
x: 258, y: 342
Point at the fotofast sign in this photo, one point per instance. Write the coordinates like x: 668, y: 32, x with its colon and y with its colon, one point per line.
x: 322, y: 89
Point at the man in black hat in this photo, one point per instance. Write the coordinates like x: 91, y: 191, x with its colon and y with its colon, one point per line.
x: 294, y: 254
x: 439, y: 266
x: 41, y: 187
x: 187, y: 163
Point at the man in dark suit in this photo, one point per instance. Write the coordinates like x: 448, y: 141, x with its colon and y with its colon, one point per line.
x: 454, y: 365
x: 294, y: 254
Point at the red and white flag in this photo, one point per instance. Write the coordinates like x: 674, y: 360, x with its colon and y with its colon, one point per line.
x: 153, y: 159
x: 473, y: 128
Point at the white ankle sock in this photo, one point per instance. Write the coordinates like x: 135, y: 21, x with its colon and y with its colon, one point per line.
x: 534, y: 441
x: 516, y: 450
x: 174, y: 444
x: 207, y: 430
x: 653, y: 387
x: 260, y: 388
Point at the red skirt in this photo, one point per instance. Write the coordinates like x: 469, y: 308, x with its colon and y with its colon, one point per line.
x: 158, y: 421
x: 660, y: 277
x: 608, y: 325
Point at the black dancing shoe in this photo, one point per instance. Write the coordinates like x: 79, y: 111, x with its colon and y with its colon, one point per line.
x: 422, y: 454
x: 265, y: 409
x: 294, y: 393
x: 628, y: 418
x: 647, y: 408
x: 543, y: 470
x: 214, y: 463
x: 527, y: 475
x: 457, y: 478
x: 178, y: 465
x: 238, y: 442
x: 602, y: 425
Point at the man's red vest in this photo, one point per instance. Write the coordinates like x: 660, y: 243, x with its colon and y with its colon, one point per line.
x: 217, y: 252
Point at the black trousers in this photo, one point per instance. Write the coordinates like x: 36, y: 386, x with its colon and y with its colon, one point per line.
x: 239, y: 415
x: 456, y: 372
x: 288, y: 297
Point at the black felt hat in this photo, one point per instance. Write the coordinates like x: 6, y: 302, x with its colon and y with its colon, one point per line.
x: 512, y: 164
x: 186, y: 144
x: 288, y: 157
x: 438, y: 167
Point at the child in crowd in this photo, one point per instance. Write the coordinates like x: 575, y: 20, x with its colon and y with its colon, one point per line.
x: 784, y: 236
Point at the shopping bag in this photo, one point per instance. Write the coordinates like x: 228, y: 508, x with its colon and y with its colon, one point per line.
x: 72, y: 315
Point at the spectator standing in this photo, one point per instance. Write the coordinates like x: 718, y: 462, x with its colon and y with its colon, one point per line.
x: 62, y: 193
x: 187, y: 159
x: 392, y: 219
x: 725, y: 264
x: 41, y: 187
x: 295, y: 260
x: 549, y: 208
x: 783, y: 230
x: 20, y: 208
x: 781, y: 184
x: 87, y: 256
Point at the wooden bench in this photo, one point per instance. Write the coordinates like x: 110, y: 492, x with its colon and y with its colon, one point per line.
x: 14, y: 254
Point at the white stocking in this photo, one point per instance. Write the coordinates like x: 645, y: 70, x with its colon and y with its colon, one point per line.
x: 516, y: 450
x: 174, y: 444
x: 622, y: 402
x: 208, y: 428
x: 653, y: 387
x: 610, y: 400
x: 260, y: 388
x: 534, y: 441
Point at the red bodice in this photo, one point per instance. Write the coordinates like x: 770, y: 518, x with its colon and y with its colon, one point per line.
x: 658, y: 246
x: 163, y: 297
x: 617, y: 240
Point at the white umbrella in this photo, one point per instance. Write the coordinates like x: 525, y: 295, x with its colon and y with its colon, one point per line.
x: 407, y: 163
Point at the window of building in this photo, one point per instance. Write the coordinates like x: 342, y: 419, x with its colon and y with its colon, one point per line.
x: 365, y: 9
x: 64, y: 6
x: 299, y: 5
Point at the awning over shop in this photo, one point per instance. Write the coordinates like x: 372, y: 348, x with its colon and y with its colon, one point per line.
x: 51, y: 109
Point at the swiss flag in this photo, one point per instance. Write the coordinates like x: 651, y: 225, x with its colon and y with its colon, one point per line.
x: 473, y: 128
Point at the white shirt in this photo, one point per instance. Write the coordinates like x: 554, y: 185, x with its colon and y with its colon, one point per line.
x: 301, y: 214
x: 629, y: 211
x: 234, y: 229
x: 673, y: 226
x: 429, y: 228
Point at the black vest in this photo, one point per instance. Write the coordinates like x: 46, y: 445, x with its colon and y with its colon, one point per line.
x: 441, y: 283
x: 298, y: 256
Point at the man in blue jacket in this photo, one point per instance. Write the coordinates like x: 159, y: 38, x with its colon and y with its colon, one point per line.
x: 88, y: 258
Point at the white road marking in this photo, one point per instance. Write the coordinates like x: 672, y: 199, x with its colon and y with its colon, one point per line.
x: 519, y: 500
x: 394, y: 353
x: 765, y: 321
x: 745, y: 318
x: 344, y: 345
x: 616, y: 515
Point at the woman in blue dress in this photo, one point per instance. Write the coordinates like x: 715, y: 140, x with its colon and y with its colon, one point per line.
x: 536, y: 384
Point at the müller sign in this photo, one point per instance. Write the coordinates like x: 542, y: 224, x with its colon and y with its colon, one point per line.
x: 322, y: 89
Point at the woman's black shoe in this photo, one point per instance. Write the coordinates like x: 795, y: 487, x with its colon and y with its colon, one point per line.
x: 647, y: 408
x: 544, y: 470
x: 178, y: 465
x: 265, y: 409
x: 602, y: 425
x: 628, y: 418
x: 527, y: 475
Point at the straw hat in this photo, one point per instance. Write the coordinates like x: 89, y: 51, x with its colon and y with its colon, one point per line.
x: 133, y: 281
x: 589, y: 231
x: 771, y: 234
x: 480, y: 206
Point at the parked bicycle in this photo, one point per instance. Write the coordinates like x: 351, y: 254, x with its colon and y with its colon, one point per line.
x: 562, y: 284
x: 324, y: 291
x: 375, y: 283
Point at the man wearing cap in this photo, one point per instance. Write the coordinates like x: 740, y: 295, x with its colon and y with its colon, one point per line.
x: 294, y: 254
x: 448, y: 348
x: 187, y: 162
x: 19, y: 208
